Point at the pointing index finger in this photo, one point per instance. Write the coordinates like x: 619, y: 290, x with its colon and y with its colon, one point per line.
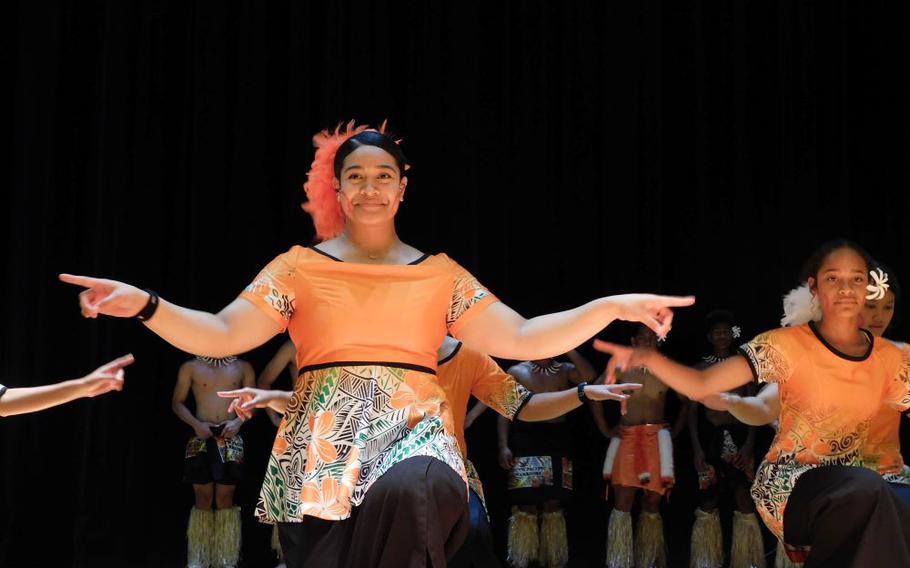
x: 677, y: 301
x: 85, y: 281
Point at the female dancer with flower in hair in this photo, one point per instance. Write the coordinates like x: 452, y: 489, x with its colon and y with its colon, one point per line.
x: 882, y: 449
x: 365, y: 470
x: 833, y: 378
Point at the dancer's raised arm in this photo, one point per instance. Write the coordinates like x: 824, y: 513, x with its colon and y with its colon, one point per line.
x: 693, y: 383
x: 104, y: 379
x: 237, y: 328
x: 502, y: 332
x: 758, y: 410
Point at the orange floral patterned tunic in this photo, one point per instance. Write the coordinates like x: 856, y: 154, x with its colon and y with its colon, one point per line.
x: 828, y: 402
x: 367, y: 396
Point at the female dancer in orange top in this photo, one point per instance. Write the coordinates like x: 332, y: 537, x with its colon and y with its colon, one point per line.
x: 368, y: 438
x: 833, y: 379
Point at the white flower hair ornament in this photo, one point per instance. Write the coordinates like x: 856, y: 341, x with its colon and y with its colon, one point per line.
x: 879, y: 285
x: 737, y: 331
x: 800, y: 307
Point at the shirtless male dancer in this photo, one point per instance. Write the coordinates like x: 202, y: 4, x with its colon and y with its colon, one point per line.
x: 537, y: 457
x: 214, y: 457
x: 640, y: 458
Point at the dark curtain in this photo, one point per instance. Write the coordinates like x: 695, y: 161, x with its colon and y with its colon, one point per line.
x: 560, y: 150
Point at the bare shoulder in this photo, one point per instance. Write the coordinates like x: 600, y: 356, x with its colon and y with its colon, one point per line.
x: 189, y: 367
x: 520, y: 370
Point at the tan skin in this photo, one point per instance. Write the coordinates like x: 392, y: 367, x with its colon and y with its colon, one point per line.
x: 647, y: 406
x: 284, y: 358
x: 106, y: 378
x: 204, y: 382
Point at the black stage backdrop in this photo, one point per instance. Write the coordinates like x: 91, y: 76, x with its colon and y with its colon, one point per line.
x: 561, y: 151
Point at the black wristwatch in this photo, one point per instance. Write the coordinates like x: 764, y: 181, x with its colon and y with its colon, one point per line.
x: 581, y: 392
x: 151, y: 306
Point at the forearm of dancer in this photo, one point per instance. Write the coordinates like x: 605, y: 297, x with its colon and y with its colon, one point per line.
x: 756, y: 410
x: 236, y: 329
x: 31, y: 399
x: 697, y: 384
x: 502, y: 332
x: 279, y: 401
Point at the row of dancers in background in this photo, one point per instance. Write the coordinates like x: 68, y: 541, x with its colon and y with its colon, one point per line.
x: 371, y: 438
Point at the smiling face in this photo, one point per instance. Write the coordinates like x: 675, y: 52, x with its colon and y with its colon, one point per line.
x: 877, y: 314
x: 840, y: 284
x: 370, y: 187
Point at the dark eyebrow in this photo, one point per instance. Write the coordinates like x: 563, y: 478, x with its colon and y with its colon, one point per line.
x: 380, y: 166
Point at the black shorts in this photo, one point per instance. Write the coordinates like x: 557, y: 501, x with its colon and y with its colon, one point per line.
x: 218, y: 460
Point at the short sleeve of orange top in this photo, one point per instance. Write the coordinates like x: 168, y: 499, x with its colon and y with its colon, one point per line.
x: 882, y: 451
x: 828, y: 401
x: 367, y: 396
x: 467, y: 372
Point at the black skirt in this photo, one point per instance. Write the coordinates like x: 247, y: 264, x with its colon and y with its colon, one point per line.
x: 415, y: 515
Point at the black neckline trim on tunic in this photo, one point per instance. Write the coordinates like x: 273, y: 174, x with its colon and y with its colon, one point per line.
x: 451, y: 355
x: 840, y: 353
x: 422, y: 258
x: 409, y: 366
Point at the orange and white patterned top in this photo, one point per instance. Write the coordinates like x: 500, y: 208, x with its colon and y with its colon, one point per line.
x: 883, y: 446
x: 828, y: 403
x: 367, y: 395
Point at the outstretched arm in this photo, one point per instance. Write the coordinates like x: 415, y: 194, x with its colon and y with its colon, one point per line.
x: 502, y: 332
x: 248, y: 399
x: 237, y: 328
x: 549, y: 405
x: 764, y: 408
x: 104, y: 379
x: 693, y: 383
